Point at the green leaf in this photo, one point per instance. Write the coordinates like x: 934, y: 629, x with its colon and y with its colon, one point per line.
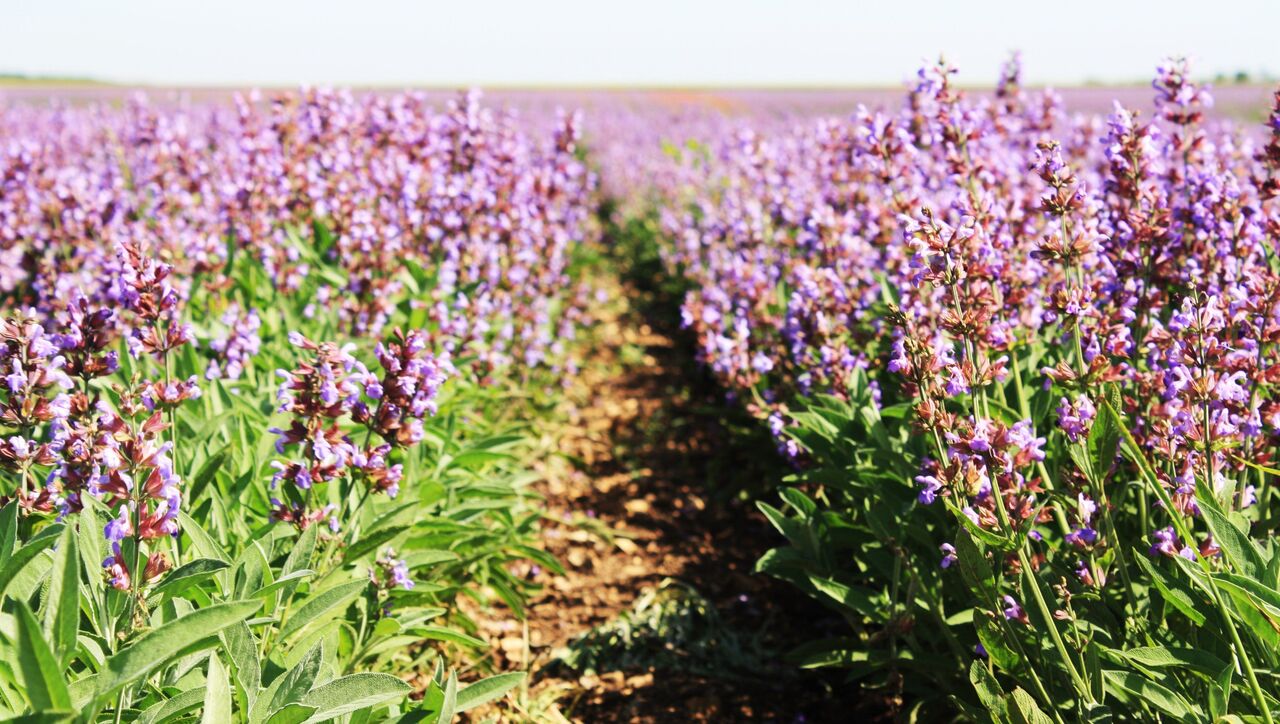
x: 27, y: 553
x: 989, y: 691
x: 1245, y: 590
x: 242, y: 650
x: 294, y: 713
x: 89, y: 535
x: 38, y: 672
x: 1131, y: 688
x: 322, y: 605
x: 371, y: 542
x: 299, y: 558
x: 1104, y: 444
x: 974, y: 568
x: 353, y: 693
x: 1220, y: 692
x: 82, y: 691
x: 186, y: 576
x: 1079, y: 453
x: 205, y: 546
x: 296, y: 682
x: 991, y: 635
x: 207, y: 473
x: 1236, y: 547
x: 487, y: 690
x: 204, y: 543
x: 449, y: 707
x: 439, y: 633
x: 1174, y: 591
x: 1157, y: 657
x: 799, y: 501
x: 217, y: 698
x: 999, y: 542
x: 62, y: 604
x: 792, y: 529
x: 841, y: 651
x: 1025, y: 709
x: 43, y: 717
x: 286, y: 581
x: 541, y: 557
x: 250, y: 569
x: 8, y: 530
x: 154, y: 648
x: 852, y: 598
x: 1129, y: 445
x: 477, y: 458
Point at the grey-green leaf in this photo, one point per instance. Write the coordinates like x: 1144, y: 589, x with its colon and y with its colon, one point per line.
x: 38, y: 672
x: 27, y: 553
x: 369, y: 543
x: 242, y: 649
x: 297, y: 681
x: 156, y: 647
x: 187, y: 575
x: 217, y: 698
x: 353, y: 693
x: 487, y: 690
x: 1129, y: 687
x: 62, y: 606
x: 172, y: 708
x: 294, y: 713
x: 321, y: 605
x: 1026, y: 709
x: 450, y: 705
x: 299, y: 557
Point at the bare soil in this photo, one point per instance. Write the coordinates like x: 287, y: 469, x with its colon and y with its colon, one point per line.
x: 652, y: 484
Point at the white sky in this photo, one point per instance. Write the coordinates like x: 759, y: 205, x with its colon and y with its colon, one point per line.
x: 606, y: 42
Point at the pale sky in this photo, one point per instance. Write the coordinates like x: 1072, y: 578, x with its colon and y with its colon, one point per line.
x: 604, y: 42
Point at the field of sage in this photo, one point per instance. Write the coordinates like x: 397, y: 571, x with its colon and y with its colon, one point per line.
x: 280, y: 372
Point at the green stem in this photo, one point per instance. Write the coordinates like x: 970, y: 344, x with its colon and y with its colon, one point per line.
x: 1024, y: 408
x: 935, y: 607
x: 1034, y: 584
x: 1115, y: 541
x: 1184, y: 533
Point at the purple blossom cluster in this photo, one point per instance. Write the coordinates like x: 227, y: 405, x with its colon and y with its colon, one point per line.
x: 138, y: 208
x: 235, y: 349
x: 391, y: 572
x: 330, y: 388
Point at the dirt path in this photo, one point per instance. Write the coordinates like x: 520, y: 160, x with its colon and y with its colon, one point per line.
x: 659, y: 551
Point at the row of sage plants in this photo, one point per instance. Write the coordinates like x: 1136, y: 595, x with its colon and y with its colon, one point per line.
x: 268, y: 374
x: 1024, y: 364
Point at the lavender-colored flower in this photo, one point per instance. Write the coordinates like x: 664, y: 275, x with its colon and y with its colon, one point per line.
x: 391, y: 572
x: 1165, y: 542
x: 234, y: 351
x: 948, y: 555
x: 1075, y: 418
x: 930, y: 486
x: 1013, y: 611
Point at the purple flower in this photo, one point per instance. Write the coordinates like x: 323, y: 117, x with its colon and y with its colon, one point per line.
x: 1013, y: 611
x: 1023, y: 435
x: 119, y: 528
x: 948, y: 555
x: 1082, y: 537
x: 930, y: 485
x: 1075, y: 419
x: 391, y: 572
x: 1165, y: 542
